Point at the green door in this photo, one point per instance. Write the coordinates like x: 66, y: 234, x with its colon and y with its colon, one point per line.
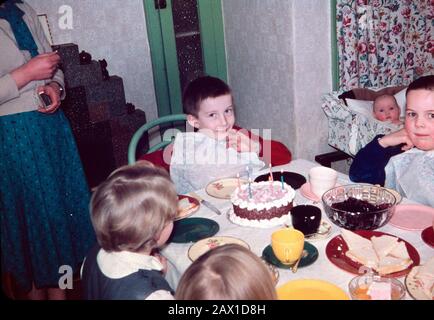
x: 186, y: 40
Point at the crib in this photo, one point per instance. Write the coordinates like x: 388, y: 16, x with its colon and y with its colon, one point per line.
x: 351, y: 124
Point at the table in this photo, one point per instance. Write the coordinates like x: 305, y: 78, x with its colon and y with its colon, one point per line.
x: 258, y: 238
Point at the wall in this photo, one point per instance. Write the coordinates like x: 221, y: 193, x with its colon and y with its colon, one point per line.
x: 114, y: 30
x: 312, y: 75
x: 279, y: 65
x: 260, y: 64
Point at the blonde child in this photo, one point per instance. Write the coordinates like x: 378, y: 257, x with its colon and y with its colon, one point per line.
x: 132, y: 213
x: 229, y: 272
x: 386, y: 108
x: 384, y: 161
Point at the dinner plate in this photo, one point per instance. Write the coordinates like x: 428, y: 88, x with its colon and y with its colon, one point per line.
x: 337, y: 247
x: 295, y: 180
x: 223, y: 188
x: 310, y: 254
x: 306, y: 192
x: 186, y: 213
x: 204, y: 245
x: 193, y: 229
x: 412, y: 217
x: 414, y: 287
x: 427, y: 236
x: 310, y: 289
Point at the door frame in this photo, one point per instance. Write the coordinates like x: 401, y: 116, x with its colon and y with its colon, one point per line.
x: 162, y: 43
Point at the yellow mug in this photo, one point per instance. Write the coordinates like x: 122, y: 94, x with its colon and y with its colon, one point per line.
x: 287, y: 245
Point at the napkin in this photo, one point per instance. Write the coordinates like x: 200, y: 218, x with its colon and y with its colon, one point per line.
x: 412, y: 174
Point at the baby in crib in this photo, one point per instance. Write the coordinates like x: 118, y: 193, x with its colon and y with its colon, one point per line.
x: 385, y: 108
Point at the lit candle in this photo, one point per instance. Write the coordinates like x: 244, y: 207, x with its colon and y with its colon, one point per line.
x: 238, y: 181
x: 271, y: 184
x: 250, y: 190
x: 281, y: 179
x: 271, y: 173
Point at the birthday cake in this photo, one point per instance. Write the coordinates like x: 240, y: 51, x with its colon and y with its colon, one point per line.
x: 262, y: 204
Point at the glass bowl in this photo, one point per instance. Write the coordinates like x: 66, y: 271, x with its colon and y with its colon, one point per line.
x: 359, y: 206
x: 360, y: 285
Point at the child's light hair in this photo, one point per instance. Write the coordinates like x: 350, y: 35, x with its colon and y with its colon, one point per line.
x: 130, y: 209
x: 200, y: 89
x: 383, y: 96
x: 229, y: 272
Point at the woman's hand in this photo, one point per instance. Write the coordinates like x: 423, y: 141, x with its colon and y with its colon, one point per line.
x: 41, y: 67
x: 53, y: 91
x: 397, y: 138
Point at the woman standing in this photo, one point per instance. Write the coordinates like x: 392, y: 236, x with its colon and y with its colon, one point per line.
x: 44, y: 197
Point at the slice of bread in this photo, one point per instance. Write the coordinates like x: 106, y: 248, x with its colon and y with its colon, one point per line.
x: 400, y: 251
x: 365, y: 256
x: 354, y: 241
x: 391, y: 264
x: 384, y: 244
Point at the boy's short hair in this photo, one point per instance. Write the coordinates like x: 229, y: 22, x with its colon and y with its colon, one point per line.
x: 200, y: 89
x: 130, y: 209
x: 424, y: 83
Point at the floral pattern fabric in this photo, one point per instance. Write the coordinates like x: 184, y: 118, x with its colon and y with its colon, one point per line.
x: 384, y: 42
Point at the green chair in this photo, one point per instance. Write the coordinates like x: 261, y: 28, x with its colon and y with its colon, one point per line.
x: 145, y: 128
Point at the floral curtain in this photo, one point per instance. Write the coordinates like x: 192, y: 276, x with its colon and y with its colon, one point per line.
x: 384, y: 42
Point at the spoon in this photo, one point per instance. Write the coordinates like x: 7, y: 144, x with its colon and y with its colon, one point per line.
x: 295, y: 267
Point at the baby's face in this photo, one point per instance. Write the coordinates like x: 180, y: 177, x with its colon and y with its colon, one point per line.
x: 386, y: 109
x: 216, y: 116
x: 419, y: 118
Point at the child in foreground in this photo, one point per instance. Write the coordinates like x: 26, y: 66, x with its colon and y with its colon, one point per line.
x: 228, y: 272
x: 132, y: 213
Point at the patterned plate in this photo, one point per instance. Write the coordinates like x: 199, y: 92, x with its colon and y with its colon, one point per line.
x: 223, y: 188
x: 194, y: 205
x: 414, y: 286
x: 204, y: 245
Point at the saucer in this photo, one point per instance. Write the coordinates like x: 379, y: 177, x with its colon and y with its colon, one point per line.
x: 323, y: 232
x: 309, y: 256
x: 306, y: 192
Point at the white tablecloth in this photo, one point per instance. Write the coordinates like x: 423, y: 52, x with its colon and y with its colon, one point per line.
x: 258, y: 239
